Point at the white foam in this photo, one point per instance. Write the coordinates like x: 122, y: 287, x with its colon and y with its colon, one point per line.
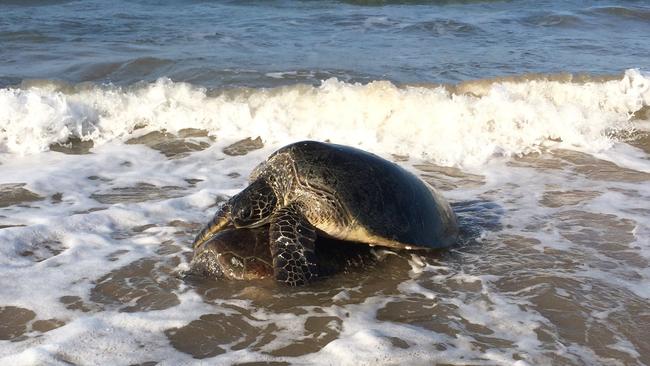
x: 359, y: 115
x: 424, y: 122
x: 363, y: 337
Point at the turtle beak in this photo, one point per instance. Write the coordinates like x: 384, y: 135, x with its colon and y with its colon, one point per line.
x: 221, y: 220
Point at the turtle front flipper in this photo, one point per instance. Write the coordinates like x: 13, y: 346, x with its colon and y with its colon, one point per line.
x: 251, y: 207
x: 220, y: 221
x: 292, y: 247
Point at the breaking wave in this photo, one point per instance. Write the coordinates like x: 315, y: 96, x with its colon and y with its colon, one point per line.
x: 450, y: 125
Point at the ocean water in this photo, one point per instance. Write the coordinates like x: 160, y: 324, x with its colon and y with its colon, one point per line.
x: 123, y: 126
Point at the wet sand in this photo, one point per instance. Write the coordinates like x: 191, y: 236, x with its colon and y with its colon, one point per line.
x: 565, y: 296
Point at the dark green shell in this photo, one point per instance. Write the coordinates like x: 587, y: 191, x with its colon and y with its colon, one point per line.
x: 384, y: 198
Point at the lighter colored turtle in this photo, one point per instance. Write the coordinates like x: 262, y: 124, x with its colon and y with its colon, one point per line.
x: 313, y: 188
x: 245, y: 254
x: 235, y: 254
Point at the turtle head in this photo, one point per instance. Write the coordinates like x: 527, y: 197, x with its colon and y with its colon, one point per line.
x: 254, y: 205
x: 236, y: 254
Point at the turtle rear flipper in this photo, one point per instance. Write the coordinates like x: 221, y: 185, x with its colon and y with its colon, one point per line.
x: 292, y: 247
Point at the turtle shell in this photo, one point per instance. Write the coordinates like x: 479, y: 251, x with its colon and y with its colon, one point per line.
x: 384, y: 204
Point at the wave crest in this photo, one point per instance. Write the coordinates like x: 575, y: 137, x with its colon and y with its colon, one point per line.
x: 433, y: 122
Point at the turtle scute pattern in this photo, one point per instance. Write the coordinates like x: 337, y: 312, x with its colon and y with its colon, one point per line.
x: 340, y: 192
x: 292, y: 247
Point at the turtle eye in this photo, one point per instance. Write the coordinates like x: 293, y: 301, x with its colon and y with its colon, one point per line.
x: 246, y: 213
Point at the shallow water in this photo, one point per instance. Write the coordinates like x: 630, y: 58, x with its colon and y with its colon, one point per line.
x: 124, y: 127
x: 552, y: 268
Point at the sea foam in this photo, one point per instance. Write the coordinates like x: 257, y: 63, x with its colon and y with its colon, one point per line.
x: 505, y: 118
x: 82, y: 260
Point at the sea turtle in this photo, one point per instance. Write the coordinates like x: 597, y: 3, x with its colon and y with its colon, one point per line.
x: 235, y: 254
x: 244, y: 254
x: 313, y: 188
